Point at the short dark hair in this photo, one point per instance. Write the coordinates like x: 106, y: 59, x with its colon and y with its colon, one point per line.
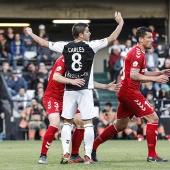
x: 78, y: 28
x: 108, y: 104
x: 141, y: 32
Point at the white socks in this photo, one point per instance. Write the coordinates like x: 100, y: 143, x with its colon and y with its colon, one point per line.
x: 88, y: 139
x: 66, y: 137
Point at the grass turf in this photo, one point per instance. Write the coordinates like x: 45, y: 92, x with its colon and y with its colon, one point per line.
x: 123, y: 155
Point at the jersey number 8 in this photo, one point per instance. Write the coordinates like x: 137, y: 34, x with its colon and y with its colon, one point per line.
x: 76, y: 65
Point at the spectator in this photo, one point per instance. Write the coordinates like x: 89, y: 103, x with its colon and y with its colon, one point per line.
x: 42, y: 30
x: 148, y: 87
x: 21, y: 101
x: 39, y: 96
x: 166, y: 66
x: 18, y: 51
x: 45, y: 54
x: 114, y: 56
x: 6, y: 71
x: 164, y: 96
x: 10, y: 34
x: 155, y: 37
x: 42, y: 78
x: 5, y: 49
x: 106, y: 117
x: 115, y: 43
x: 132, y: 37
x: 31, y: 73
x: 42, y: 68
x: 151, y: 59
x: 2, y: 31
x: 15, y: 83
x: 33, y: 118
x: 128, y: 46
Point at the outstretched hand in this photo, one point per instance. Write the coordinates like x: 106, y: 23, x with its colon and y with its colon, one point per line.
x: 78, y: 82
x: 113, y: 86
x: 118, y: 17
x: 28, y: 30
x: 162, y: 79
x: 166, y: 72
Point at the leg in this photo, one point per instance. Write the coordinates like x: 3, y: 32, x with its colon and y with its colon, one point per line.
x: 54, y: 119
x: 66, y: 138
x: 31, y: 130
x: 14, y: 61
x: 151, y: 136
x: 110, y: 131
x: 88, y: 140
x: 25, y: 61
x: 77, y: 138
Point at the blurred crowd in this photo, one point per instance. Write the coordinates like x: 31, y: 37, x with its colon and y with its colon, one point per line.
x: 28, y: 82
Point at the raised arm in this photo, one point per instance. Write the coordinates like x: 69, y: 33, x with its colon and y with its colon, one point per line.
x: 117, y: 31
x: 36, y: 38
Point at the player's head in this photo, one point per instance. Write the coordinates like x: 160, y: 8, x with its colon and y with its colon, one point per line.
x: 144, y: 37
x: 81, y: 31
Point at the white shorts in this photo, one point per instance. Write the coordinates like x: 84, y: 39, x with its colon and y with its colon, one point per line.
x: 81, y: 100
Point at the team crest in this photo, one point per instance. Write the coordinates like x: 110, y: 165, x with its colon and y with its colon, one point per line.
x: 58, y: 68
x: 135, y: 63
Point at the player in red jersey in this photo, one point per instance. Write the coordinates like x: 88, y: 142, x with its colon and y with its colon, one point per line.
x: 53, y: 101
x: 131, y: 101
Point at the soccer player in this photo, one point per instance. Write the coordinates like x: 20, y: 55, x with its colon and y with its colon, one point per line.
x: 79, y: 55
x: 53, y: 101
x: 131, y: 101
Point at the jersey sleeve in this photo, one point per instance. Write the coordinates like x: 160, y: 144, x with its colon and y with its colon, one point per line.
x: 57, y: 46
x: 136, y: 59
x: 60, y: 66
x: 98, y: 44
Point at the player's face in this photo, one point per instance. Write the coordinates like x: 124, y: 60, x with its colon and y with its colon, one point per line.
x: 86, y: 34
x: 147, y: 41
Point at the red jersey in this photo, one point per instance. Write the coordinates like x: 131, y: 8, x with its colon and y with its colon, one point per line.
x: 135, y: 59
x: 55, y: 89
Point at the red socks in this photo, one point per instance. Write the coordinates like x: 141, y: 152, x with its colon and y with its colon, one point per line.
x: 151, y: 136
x: 108, y: 133
x: 77, y: 138
x: 48, y: 138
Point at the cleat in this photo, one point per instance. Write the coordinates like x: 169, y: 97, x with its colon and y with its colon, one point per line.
x: 87, y: 160
x: 156, y: 159
x: 42, y: 159
x: 76, y: 159
x: 93, y: 156
x: 65, y: 158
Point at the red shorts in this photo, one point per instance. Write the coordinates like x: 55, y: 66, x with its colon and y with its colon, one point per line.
x: 131, y: 104
x: 52, y: 105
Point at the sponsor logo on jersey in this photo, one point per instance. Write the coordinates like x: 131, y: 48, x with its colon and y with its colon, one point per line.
x: 59, y: 68
x: 135, y: 63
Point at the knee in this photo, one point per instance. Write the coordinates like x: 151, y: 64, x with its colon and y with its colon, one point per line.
x: 32, y: 126
x: 121, y: 127
x: 153, y: 118
x: 42, y: 125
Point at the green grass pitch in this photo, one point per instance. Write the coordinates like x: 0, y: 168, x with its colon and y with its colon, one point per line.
x: 113, y: 155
